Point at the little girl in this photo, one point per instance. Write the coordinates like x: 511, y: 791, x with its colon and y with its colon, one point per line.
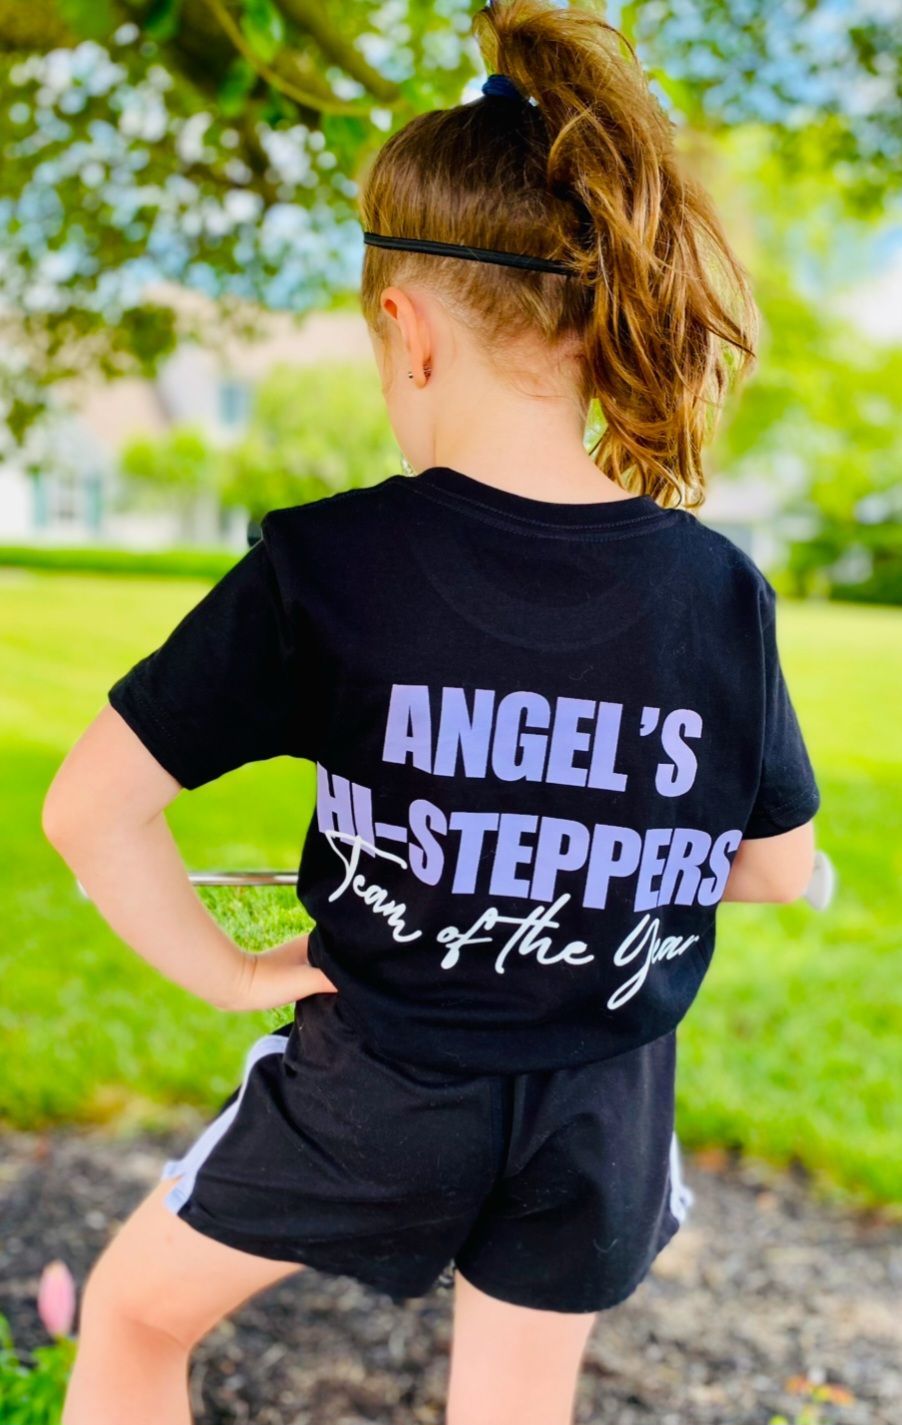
x: 551, y: 734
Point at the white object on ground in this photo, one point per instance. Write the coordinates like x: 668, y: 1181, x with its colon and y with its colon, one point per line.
x: 819, y: 891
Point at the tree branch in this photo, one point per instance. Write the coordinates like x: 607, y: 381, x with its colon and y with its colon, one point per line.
x: 325, y: 103
x: 310, y: 17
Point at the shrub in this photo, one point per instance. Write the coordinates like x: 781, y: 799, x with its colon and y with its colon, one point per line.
x: 33, y: 1394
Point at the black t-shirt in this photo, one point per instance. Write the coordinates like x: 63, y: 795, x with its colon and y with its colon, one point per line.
x: 540, y: 732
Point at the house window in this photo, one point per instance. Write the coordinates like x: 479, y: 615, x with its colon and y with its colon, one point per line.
x: 68, y: 498
x: 234, y: 402
x: 66, y: 505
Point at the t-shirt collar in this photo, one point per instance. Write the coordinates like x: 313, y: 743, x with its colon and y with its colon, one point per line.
x: 442, y: 479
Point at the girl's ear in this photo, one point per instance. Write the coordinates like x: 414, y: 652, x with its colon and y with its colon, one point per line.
x: 408, y: 327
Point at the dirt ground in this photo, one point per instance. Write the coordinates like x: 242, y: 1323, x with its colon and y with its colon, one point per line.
x: 764, y: 1301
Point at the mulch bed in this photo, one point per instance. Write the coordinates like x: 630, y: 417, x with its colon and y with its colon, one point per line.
x: 765, y: 1299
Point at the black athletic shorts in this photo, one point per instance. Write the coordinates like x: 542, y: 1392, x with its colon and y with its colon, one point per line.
x: 553, y: 1189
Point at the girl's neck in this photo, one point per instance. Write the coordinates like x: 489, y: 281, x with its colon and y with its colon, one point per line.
x: 562, y: 474
x: 523, y: 435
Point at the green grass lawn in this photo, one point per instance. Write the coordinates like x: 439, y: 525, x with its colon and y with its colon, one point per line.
x: 790, y: 1051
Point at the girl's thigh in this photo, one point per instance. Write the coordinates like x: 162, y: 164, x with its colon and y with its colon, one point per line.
x: 160, y: 1272
x: 513, y: 1365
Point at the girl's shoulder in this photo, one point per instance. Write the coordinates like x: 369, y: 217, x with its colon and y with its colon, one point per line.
x: 715, y: 555
x: 359, y: 500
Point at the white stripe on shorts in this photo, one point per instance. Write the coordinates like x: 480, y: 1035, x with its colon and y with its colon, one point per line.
x: 681, y: 1195
x: 203, y: 1146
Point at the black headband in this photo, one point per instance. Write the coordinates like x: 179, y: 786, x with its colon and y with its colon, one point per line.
x: 477, y: 254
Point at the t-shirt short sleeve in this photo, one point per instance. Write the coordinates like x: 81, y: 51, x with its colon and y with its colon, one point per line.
x: 225, y: 688
x: 788, y: 794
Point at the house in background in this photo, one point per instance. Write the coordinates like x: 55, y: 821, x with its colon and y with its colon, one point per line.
x: 80, y: 496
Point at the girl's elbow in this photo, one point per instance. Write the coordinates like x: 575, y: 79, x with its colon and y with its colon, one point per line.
x: 57, y: 817
x: 776, y: 869
x: 789, y: 890
x: 68, y: 814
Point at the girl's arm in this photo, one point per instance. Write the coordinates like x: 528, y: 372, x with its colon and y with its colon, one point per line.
x: 104, y: 814
x: 772, y: 868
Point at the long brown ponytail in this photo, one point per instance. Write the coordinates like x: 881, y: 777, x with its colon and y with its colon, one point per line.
x: 587, y: 174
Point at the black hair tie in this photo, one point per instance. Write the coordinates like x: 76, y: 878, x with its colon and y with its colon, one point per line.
x: 502, y: 86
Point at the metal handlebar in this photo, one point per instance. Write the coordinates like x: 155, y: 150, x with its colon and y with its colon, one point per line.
x: 230, y: 878
x: 818, y: 893
x: 243, y: 878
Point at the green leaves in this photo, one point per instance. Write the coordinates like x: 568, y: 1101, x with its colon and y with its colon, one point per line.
x: 237, y: 84
x: 89, y: 19
x: 263, y: 28
x: 345, y: 135
x: 162, y: 21
x: 33, y: 1396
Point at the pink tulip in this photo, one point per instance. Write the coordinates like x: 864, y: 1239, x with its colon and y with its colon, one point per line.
x: 56, y: 1298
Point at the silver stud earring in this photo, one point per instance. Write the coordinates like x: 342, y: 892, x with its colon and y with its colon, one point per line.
x: 427, y: 371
